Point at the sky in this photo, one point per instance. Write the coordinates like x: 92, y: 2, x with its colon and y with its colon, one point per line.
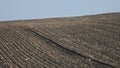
x: 39, y: 9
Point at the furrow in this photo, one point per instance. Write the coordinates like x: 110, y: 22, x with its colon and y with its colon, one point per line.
x: 67, y: 50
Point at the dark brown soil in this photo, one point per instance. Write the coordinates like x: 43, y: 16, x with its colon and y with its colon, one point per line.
x: 73, y: 42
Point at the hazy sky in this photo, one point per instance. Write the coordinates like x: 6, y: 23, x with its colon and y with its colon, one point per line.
x: 36, y: 9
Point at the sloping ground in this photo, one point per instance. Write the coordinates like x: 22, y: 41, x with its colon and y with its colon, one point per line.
x: 74, y: 42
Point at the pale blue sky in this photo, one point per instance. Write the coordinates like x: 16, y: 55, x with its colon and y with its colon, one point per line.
x: 37, y: 9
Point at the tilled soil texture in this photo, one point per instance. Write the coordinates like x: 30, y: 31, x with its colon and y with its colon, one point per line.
x: 91, y: 41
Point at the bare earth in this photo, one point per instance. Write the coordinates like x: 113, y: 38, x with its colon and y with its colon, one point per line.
x: 72, y: 42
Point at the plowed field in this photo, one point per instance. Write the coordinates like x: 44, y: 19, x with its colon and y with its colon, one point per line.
x: 91, y: 41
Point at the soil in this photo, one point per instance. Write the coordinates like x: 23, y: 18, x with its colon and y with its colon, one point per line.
x: 91, y: 41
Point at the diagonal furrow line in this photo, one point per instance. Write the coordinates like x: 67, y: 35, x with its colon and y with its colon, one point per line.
x: 49, y: 41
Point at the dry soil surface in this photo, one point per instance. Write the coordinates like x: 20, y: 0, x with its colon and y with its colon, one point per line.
x: 91, y: 41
